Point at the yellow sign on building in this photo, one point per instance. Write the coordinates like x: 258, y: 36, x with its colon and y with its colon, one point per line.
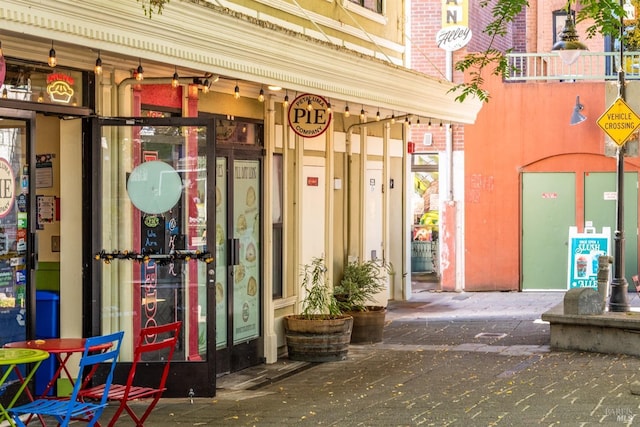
x: 619, y: 121
x: 455, y: 12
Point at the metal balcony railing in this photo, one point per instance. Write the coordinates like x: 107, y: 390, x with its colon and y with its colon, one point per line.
x: 589, y: 66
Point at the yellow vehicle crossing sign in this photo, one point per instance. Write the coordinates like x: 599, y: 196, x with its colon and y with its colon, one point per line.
x: 619, y: 121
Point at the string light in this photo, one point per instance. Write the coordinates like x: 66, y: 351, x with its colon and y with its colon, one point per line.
x: 346, y: 111
x: 362, y: 113
x: 378, y: 116
x: 309, y: 105
x: 139, y: 71
x: 174, y: 80
x: 261, y: 95
x: 329, y: 106
x: 236, y: 91
x: 285, y: 103
x: 393, y: 118
x: 52, y: 61
x: 98, y: 68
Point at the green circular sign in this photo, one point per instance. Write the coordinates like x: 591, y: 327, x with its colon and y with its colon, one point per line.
x: 154, y: 187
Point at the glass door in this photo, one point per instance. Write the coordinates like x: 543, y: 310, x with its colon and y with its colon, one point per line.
x: 153, y: 200
x: 17, y: 295
x: 238, y: 244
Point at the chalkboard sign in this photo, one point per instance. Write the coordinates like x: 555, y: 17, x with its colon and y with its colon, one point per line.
x: 153, y: 234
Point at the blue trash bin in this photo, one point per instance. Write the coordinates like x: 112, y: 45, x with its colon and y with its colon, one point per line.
x: 47, y: 326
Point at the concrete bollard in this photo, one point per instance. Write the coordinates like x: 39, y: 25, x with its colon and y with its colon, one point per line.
x: 603, y: 277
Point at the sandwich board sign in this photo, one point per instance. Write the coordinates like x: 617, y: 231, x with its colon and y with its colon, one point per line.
x: 584, y: 250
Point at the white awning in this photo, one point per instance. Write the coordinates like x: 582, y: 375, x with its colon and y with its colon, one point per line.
x: 208, y: 38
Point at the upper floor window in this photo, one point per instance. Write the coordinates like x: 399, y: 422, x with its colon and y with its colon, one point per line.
x: 374, y: 5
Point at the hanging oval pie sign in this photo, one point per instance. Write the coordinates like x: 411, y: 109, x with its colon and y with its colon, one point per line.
x: 453, y: 37
x: 309, y: 115
x: 7, y: 187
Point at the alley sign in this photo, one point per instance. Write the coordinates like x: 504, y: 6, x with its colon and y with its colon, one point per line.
x: 619, y: 121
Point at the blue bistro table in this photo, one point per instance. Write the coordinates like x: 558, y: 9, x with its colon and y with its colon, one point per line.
x: 10, y: 358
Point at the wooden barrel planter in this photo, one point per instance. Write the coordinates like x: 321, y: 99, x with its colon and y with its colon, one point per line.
x: 368, y: 326
x: 320, y: 339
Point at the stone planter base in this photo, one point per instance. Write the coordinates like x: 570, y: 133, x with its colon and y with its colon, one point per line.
x: 319, y: 339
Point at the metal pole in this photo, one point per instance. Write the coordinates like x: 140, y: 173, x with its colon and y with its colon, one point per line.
x: 618, y: 299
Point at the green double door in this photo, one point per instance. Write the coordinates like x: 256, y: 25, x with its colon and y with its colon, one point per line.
x: 549, y: 209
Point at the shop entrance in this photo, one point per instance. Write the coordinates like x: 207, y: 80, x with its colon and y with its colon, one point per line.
x: 17, y: 253
x: 238, y: 243
x: 153, y: 200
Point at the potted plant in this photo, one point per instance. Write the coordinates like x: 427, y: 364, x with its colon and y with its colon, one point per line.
x: 360, y: 282
x: 321, y: 333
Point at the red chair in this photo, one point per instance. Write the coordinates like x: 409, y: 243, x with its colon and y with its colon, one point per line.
x: 125, y: 393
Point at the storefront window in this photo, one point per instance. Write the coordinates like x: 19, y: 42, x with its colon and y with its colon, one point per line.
x: 31, y: 82
x: 154, y: 187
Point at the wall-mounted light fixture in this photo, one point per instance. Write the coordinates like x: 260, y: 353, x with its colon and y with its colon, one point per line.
x: 52, y: 61
x: 577, y: 116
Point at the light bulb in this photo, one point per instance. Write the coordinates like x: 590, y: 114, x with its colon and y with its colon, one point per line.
x: 261, y: 96
x: 346, y: 111
x: 140, y: 73
x: 309, y: 105
x: 98, y: 68
x: 174, y: 80
x: 236, y: 92
x: 378, y: 116
x: 285, y: 103
x: 52, y: 61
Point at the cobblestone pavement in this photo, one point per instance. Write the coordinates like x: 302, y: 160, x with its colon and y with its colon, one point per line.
x: 447, y: 359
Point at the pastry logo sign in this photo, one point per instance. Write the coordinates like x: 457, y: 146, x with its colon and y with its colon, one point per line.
x: 309, y: 115
x: 7, y: 187
x: 60, y: 88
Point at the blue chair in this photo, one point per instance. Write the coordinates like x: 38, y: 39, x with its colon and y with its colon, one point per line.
x: 72, y: 408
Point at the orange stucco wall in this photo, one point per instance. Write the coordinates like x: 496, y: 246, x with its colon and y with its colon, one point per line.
x: 523, y: 128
